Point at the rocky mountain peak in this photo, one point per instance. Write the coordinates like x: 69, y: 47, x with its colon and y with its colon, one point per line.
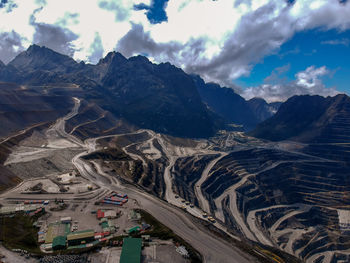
x: 112, y: 58
x: 42, y: 58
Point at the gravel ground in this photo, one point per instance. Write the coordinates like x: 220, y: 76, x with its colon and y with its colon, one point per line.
x: 13, y: 257
x: 65, y: 259
x: 162, y: 253
x: 56, y: 161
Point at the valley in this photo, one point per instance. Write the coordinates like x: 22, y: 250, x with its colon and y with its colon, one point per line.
x: 197, y: 179
x: 93, y: 173
x: 236, y: 180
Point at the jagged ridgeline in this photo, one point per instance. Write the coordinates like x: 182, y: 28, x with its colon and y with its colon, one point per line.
x: 159, y: 97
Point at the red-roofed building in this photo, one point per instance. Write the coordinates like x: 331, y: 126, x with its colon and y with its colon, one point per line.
x: 100, y: 214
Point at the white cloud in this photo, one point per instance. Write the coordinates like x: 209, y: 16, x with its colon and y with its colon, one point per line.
x: 310, y: 78
x: 10, y: 45
x: 308, y: 81
x: 220, y: 40
x: 336, y: 42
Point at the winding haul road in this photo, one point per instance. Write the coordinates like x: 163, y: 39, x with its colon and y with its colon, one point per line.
x: 203, y: 202
x: 212, y: 248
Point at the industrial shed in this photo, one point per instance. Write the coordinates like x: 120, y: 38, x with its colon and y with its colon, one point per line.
x: 81, y: 237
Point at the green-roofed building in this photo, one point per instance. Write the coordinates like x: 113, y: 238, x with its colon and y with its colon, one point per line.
x: 81, y: 237
x: 134, y: 229
x: 104, y: 225
x: 59, y: 243
x: 131, y: 252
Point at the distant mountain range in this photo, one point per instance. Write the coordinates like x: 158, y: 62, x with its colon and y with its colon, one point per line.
x: 309, y: 119
x: 158, y: 97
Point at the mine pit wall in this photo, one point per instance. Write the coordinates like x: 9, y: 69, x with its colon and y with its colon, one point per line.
x: 229, y: 219
x: 320, y: 184
x: 149, y: 176
x: 187, y: 171
x: 153, y: 179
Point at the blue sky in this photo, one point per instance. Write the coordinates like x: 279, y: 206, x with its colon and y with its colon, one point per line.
x: 272, y: 49
x: 319, y: 47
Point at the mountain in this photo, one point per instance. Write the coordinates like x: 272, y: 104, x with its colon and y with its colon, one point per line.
x: 21, y: 108
x: 42, y: 58
x: 263, y: 110
x: 226, y: 103
x: 8, y: 73
x: 159, y: 97
x: 308, y: 119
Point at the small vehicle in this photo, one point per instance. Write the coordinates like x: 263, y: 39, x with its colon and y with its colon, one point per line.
x: 176, y: 196
x: 211, y: 219
x: 204, y: 214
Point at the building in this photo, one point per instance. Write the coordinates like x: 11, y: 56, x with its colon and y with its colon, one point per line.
x: 66, y: 220
x: 182, y: 251
x: 104, y: 225
x: 59, y: 243
x: 134, y: 216
x: 134, y: 229
x: 81, y: 237
x: 56, y: 229
x: 7, y: 210
x: 110, y: 214
x: 131, y: 251
x: 100, y: 214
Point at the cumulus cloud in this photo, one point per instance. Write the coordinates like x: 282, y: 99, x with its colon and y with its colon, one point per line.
x: 55, y: 37
x: 10, y: 45
x: 308, y: 81
x: 137, y: 41
x: 240, y: 35
x: 96, y: 49
x: 220, y: 40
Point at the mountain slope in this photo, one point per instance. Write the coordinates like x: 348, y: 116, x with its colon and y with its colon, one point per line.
x: 21, y: 108
x: 308, y: 119
x: 226, y: 103
x: 263, y: 110
x: 42, y: 58
x: 158, y: 97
